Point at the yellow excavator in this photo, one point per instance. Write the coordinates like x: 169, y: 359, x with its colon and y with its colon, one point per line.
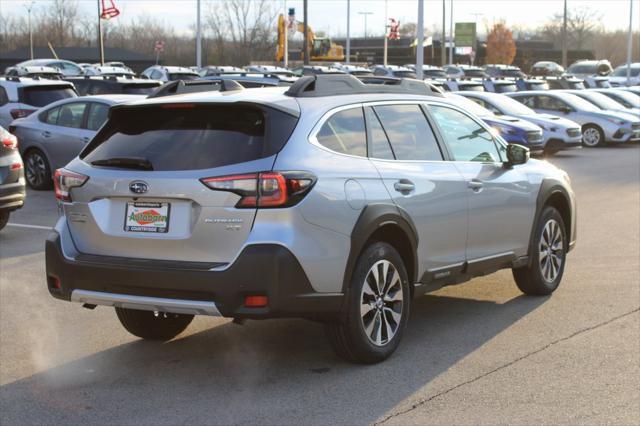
x: 321, y: 48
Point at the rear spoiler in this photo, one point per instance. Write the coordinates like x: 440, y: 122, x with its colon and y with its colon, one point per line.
x: 192, y: 86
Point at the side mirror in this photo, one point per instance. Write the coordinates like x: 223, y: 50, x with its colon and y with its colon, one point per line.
x: 516, y: 154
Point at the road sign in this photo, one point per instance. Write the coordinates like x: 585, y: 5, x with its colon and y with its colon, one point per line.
x: 465, y: 34
x: 159, y: 46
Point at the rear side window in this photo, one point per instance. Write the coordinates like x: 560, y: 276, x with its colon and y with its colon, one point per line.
x: 52, y: 116
x: 97, y: 116
x: 345, y: 133
x: 409, y: 132
x: 40, y: 96
x: 71, y: 115
x: 191, y: 137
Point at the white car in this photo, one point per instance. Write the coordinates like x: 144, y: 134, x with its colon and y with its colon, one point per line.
x: 109, y: 70
x: 604, y: 102
x: 598, y: 126
x: 619, y: 75
x: 20, y: 96
x: 169, y: 73
x: 68, y: 68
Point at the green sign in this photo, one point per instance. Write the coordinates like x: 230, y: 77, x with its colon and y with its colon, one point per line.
x: 465, y: 34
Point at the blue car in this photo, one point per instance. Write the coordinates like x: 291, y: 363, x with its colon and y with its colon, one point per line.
x: 511, y: 129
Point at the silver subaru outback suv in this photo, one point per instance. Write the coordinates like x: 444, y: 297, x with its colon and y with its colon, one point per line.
x: 333, y: 200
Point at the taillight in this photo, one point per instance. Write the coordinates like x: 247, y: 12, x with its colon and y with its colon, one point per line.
x: 20, y: 113
x: 16, y: 166
x: 265, y: 190
x: 64, y: 181
x: 9, y: 141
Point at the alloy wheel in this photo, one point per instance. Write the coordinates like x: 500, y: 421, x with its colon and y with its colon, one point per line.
x: 591, y: 137
x: 551, y: 250
x: 381, y: 302
x: 35, y: 170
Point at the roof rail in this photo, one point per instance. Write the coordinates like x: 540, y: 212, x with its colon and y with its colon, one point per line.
x: 179, y: 87
x: 346, y: 84
x: 395, y: 81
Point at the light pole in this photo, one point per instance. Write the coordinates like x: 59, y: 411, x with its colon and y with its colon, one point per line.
x: 451, y: 35
x: 365, y: 21
x: 386, y: 19
x: 629, y: 42
x: 420, y: 47
x: 564, y: 36
x: 348, y: 31
x: 305, y: 32
x: 29, y: 7
x: 198, y: 38
x: 443, y: 43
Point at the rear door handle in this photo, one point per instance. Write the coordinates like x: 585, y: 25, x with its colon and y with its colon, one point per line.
x: 404, y: 186
x: 475, y: 184
x: 46, y: 134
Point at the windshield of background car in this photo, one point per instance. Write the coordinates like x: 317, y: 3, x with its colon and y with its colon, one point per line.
x: 191, y: 137
x: 582, y: 69
x: 139, y: 89
x: 40, y: 96
x: 579, y: 103
x: 434, y: 73
x: 405, y: 74
x: 602, y: 101
x: 621, y: 71
x: 182, y: 76
x: 475, y: 72
x: 505, y: 88
x: 469, y: 105
x: 510, y: 106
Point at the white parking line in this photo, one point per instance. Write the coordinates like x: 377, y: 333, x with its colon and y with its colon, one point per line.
x: 21, y: 225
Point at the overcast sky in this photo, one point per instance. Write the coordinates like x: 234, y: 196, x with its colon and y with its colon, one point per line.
x: 331, y: 15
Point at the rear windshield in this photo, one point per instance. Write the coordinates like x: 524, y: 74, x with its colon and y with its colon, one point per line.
x: 404, y: 74
x: 505, y: 88
x: 40, y: 96
x: 183, y: 76
x: 139, y: 89
x: 189, y: 137
x: 471, y: 88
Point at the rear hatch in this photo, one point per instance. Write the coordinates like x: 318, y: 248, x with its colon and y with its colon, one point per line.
x: 144, y: 197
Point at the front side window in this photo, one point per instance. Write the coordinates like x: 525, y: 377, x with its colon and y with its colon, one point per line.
x: 409, y: 132
x: 345, y: 133
x: 467, y: 140
x: 553, y: 104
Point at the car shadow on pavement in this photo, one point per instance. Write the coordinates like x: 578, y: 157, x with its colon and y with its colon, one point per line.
x: 269, y: 372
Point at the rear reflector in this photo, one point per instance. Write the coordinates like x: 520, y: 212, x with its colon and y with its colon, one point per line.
x: 256, y: 301
x: 54, y: 282
x: 16, y: 166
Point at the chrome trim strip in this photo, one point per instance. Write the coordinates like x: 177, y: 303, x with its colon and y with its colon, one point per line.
x: 175, y: 306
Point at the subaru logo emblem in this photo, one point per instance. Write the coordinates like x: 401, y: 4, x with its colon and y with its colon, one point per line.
x: 138, y: 187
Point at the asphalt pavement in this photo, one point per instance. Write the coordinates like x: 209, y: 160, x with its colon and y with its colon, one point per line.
x: 477, y: 353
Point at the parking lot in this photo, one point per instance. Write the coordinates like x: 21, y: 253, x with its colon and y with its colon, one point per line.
x: 473, y: 354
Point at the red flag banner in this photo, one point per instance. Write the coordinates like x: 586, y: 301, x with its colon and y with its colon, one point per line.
x: 110, y: 11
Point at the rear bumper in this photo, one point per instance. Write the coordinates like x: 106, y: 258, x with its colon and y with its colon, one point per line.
x: 266, y: 270
x: 12, y: 195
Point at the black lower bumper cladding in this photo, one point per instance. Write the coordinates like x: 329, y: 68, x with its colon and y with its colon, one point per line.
x: 266, y: 269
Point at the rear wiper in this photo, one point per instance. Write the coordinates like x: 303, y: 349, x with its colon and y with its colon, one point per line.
x: 138, y: 163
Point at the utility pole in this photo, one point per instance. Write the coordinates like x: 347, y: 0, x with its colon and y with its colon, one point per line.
x: 443, y: 42
x: 348, y: 31
x: 420, y: 46
x: 29, y: 7
x: 100, y: 40
x: 305, y: 42
x: 451, y: 34
x: 286, y: 36
x: 386, y: 19
x: 564, y: 36
x: 365, y: 21
x: 198, y: 38
x: 629, y: 42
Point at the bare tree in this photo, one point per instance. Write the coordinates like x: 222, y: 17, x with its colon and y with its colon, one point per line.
x: 583, y: 23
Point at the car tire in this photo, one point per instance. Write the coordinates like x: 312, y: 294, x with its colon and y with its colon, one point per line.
x: 376, y: 315
x: 592, y: 136
x: 37, y: 172
x: 4, y: 218
x: 547, y: 258
x: 152, y: 325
